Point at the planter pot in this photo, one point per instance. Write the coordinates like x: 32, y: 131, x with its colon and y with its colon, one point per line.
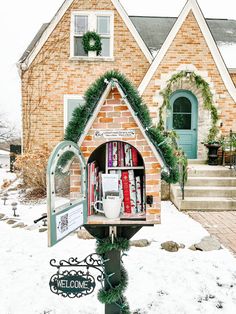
x: 213, y: 154
x: 92, y: 54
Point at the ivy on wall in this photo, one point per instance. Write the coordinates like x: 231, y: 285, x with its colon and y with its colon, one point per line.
x: 206, y: 95
x: 82, y: 114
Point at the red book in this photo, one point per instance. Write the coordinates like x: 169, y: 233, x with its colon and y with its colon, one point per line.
x: 126, y: 192
x: 134, y: 157
x: 89, y: 213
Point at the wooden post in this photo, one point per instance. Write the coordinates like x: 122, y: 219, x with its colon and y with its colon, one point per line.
x: 112, y: 266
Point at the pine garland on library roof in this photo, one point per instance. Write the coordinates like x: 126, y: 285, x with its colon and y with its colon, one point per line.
x: 82, y: 114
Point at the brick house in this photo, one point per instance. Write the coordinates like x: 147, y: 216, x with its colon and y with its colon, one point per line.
x: 55, y: 71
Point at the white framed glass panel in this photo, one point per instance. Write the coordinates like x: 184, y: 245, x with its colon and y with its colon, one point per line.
x: 103, y: 25
x: 80, y: 24
x: 71, y: 102
x: 78, y: 47
x: 105, y: 47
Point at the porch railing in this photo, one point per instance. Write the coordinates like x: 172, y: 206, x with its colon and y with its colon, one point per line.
x: 183, y: 175
x: 229, y: 148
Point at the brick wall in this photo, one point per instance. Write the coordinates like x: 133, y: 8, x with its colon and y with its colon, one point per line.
x: 233, y: 76
x: 52, y: 75
x: 189, y: 51
x: 114, y: 114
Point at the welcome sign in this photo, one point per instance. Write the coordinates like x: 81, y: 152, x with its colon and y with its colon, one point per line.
x: 72, y: 283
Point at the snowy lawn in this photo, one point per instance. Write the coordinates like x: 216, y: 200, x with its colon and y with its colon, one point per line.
x: 185, y: 282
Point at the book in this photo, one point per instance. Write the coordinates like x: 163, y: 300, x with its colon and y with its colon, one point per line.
x: 127, y: 155
x: 134, y: 156
x: 122, y: 160
x: 138, y: 193
x: 126, y: 191
x: 132, y: 190
x: 119, y: 153
x: 114, y: 154
x: 110, y: 156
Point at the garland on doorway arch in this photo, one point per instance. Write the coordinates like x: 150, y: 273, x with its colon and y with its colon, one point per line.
x: 206, y: 95
x: 82, y: 114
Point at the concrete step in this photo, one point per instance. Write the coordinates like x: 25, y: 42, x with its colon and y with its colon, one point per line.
x: 211, y: 172
x: 208, y: 204
x: 207, y: 191
x: 197, y: 161
x: 212, y: 181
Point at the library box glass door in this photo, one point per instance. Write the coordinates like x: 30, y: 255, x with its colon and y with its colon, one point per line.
x: 66, y: 191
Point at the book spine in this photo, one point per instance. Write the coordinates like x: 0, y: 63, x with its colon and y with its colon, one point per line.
x: 92, y: 184
x: 134, y: 157
x: 122, y: 158
x: 127, y: 155
x: 119, y: 154
x: 89, y: 213
x: 132, y: 189
x: 110, y: 154
x: 121, y: 190
x: 114, y: 154
x: 144, y: 195
x: 138, y: 193
x: 126, y: 192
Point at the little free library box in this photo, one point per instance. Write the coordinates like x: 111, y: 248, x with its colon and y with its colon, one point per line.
x: 111, y: 176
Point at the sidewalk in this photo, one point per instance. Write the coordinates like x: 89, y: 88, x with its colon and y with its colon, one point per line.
x: 220, y: 224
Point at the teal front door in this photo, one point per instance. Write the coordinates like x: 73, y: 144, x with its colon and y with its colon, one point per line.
x: 183, y: 119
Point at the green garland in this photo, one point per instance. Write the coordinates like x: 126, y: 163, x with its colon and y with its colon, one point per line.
x: 92, y: 37
x: 106, y: 245
x: 114, y: 294
x: 82, y: 114
x: 206, y: 94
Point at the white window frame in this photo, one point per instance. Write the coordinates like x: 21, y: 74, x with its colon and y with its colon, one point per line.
x: 66, y: 98
x: 92, y: 26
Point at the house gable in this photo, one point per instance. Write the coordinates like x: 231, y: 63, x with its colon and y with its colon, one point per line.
x: 114, y: 4
x: 117, y: 114
x: 193, y: 8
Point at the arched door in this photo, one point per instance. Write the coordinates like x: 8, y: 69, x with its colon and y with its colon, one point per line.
x: 183, y: 119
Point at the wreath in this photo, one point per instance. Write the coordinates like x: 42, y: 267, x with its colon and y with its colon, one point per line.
x: 92, y: 42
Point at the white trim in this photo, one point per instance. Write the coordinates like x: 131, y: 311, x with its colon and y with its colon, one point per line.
x: 191, y: 5
x: 98, y: 108
x: 56, y: 19
x: 92, y: 26
x: 66, y: 98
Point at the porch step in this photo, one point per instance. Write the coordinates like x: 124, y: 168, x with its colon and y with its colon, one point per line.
x: 209, y: 188
x: 209, y: 191
x: 197, y: 161
x: 206, y: 203
x: 205, y: 171
x: 212, y: 181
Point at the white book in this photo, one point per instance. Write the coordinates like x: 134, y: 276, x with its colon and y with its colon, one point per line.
x: 132, y: 189
x: 138, y: 194
x: 127, y: 155
x: 114, y: 154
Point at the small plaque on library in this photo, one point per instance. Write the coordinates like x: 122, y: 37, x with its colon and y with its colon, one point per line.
x: 113, y: 134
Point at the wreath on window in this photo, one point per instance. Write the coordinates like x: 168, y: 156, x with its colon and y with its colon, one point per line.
x: 92, y: 42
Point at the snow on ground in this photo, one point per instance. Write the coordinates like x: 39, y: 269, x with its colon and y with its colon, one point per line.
x: 185, y: 282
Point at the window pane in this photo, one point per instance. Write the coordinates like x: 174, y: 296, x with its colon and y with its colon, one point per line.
x: 105, y: 47
x: 81, y: 24
x: 71, y: 105
x: 103, y: 25
x: 182, y: 104
x: 182, y: 121
x: 78, y: 47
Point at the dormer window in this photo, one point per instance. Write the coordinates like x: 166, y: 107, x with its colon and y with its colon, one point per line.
x: 98, y: 21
